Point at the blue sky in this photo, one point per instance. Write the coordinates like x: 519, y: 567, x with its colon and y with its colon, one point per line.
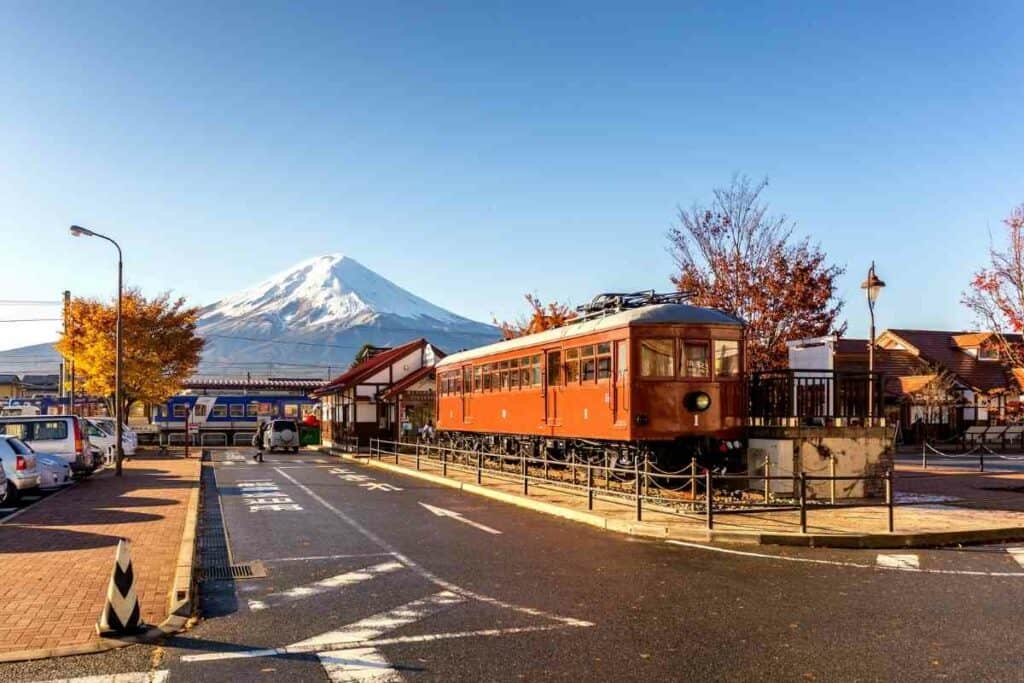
x: 472, y: 153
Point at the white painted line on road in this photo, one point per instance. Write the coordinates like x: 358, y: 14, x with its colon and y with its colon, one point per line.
x: 327, y: 557
x: 7, y: 510
x: 838, y: 563
x: 131, y: 677
x: 358, y: 664
x: 29, y: 499
x: 422, y: 571
x: 441, y: 512
x: 898, y: 561
x: 324, y: 585
x: 1017, y: 554
x: 377, y: 642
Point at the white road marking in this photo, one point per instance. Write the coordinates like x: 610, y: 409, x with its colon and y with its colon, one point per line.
x: 906, y: 561
x: 1017, y: 554
x: 379, y: 486
x: 377, y: 642
x: 326, y: 557
x: 324, y: 585
x: 131, y: 677
x: 441, y: 512
x: 365, y: 664
x: 266, y: 496
x: 838, y: 563
x: 8, y: 509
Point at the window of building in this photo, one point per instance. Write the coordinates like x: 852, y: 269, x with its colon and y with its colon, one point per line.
x: 604, y: 360
x: 572, y: 366
x: 236, y: 410
x: 988, y: 353
x: 180, y: 409
x: 695, y: 359
x: 554, y: 368
x: 656, y: 357
x: 727, y: 358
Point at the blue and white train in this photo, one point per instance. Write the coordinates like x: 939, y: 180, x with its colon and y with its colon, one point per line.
x: 223, y: 420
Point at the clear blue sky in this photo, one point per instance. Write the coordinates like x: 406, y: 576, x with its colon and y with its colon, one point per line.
x: 473, y: 153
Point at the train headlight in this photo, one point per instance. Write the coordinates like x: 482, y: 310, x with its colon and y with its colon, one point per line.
x: 697, y: 401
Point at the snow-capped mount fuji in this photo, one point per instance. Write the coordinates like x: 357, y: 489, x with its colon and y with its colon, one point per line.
x: 319, y: 313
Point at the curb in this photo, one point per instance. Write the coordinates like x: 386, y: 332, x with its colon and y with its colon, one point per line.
x: 180, y: 599
x: 929, y: 539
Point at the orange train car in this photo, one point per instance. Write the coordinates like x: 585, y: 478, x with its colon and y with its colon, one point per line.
x: 638, y: 375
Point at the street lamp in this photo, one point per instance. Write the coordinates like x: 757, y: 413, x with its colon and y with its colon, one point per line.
x: 872, y: 286
x: 79, y: 231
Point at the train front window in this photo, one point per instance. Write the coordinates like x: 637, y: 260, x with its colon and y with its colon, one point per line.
x: 656, y: 358
x: 727, y: 358
x: 695, y: 359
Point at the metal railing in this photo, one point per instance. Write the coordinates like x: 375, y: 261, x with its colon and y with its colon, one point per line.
x: 693, y: 492
x: 815, y: 398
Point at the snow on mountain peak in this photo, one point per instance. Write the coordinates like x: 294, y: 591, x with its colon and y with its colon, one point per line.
x: 327, y: 290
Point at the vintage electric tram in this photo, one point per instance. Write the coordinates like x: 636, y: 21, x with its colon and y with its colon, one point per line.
x: 635, y: 376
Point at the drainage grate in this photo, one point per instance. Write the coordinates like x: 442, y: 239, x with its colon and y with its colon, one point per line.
x: 245, y: 570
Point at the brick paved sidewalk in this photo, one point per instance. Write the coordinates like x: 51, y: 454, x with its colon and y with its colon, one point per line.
x: 56, y: 557
x: 944, y: 510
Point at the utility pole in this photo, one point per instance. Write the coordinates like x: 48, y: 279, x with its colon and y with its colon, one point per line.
x: 69, y: 331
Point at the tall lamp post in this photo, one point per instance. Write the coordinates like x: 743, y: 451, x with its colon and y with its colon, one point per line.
x: 873, y: 285
x: 79, y: 231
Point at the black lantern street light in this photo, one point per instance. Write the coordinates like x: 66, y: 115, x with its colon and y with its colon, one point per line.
x: 872, y: 286
x: 79, y: 231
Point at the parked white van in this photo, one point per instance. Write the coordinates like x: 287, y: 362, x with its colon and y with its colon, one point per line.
x: 56, y: 434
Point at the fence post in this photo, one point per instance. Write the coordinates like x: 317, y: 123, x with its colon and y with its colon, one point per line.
x: 545, y: 464
x: 832, y: 482
x: 636, y: 492
x: 767, y: 481
x: 803, y: 503
x: 708, y: 499
x: 889, y: 497
x: 693, y: 478
x: 398, y: 449
x: 479, y: 467
x: 924, y: 454
x: 981, y: 458
x: 417, y: 454
x: 526, y: 479
x: 444, y: 463
x: 647, y: 474
x: 590, y: 486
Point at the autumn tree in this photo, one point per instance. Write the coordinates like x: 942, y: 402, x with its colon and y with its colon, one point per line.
x: 732, y: 256
x: 996, y: 293
x: 540, y: 317
x: 161, y: 348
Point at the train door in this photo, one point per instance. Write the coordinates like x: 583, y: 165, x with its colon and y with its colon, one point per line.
x: 467, y: 394
x: 621, y: 388
x: 552, y: 387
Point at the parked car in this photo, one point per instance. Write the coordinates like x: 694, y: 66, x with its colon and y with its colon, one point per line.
x: 101, y: 435
x: 282, y: 434
x: 56, y: 434
x: 54, y: 471
x: 19, y: 464
x: 3, y: 484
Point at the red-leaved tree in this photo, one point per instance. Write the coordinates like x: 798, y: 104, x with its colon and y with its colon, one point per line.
x: 996, y: 294
x: 541, y: 317
x: 734, y: 257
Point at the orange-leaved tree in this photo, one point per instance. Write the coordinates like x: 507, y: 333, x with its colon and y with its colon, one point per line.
x: 732, y: 256
x: 996, y: 294
x: 161, y: 348
x: 541, y: 317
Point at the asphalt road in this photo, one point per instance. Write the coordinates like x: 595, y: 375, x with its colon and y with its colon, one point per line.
x: 371, y: 584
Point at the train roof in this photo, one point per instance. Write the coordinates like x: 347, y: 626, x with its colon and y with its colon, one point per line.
x: 656, y: 313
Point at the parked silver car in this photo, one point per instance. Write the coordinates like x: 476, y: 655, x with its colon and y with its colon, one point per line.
x: 19, y: 464
x: 54, y: 471
x: 57, y: 434
x: 277, y: 434
x: 3, y: 485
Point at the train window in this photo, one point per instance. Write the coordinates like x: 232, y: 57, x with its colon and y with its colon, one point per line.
x: 513, y: 373
x: 727, y: 358
x: 525, y: 376
x: 236, y: 410
x: 695, y: 359
x: 656, y: 356
x: 467, y: 380
x: 218, y: 411
x: 199, y: 410
x: 572, y: 366
x: 554, y: 368
x: 180, y: 409
x: 536, y: 371
x: 252, y: 410
x: 604, y: 367
x: 488, y: 377
x: 478, y: 378
x: 291, y: 409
